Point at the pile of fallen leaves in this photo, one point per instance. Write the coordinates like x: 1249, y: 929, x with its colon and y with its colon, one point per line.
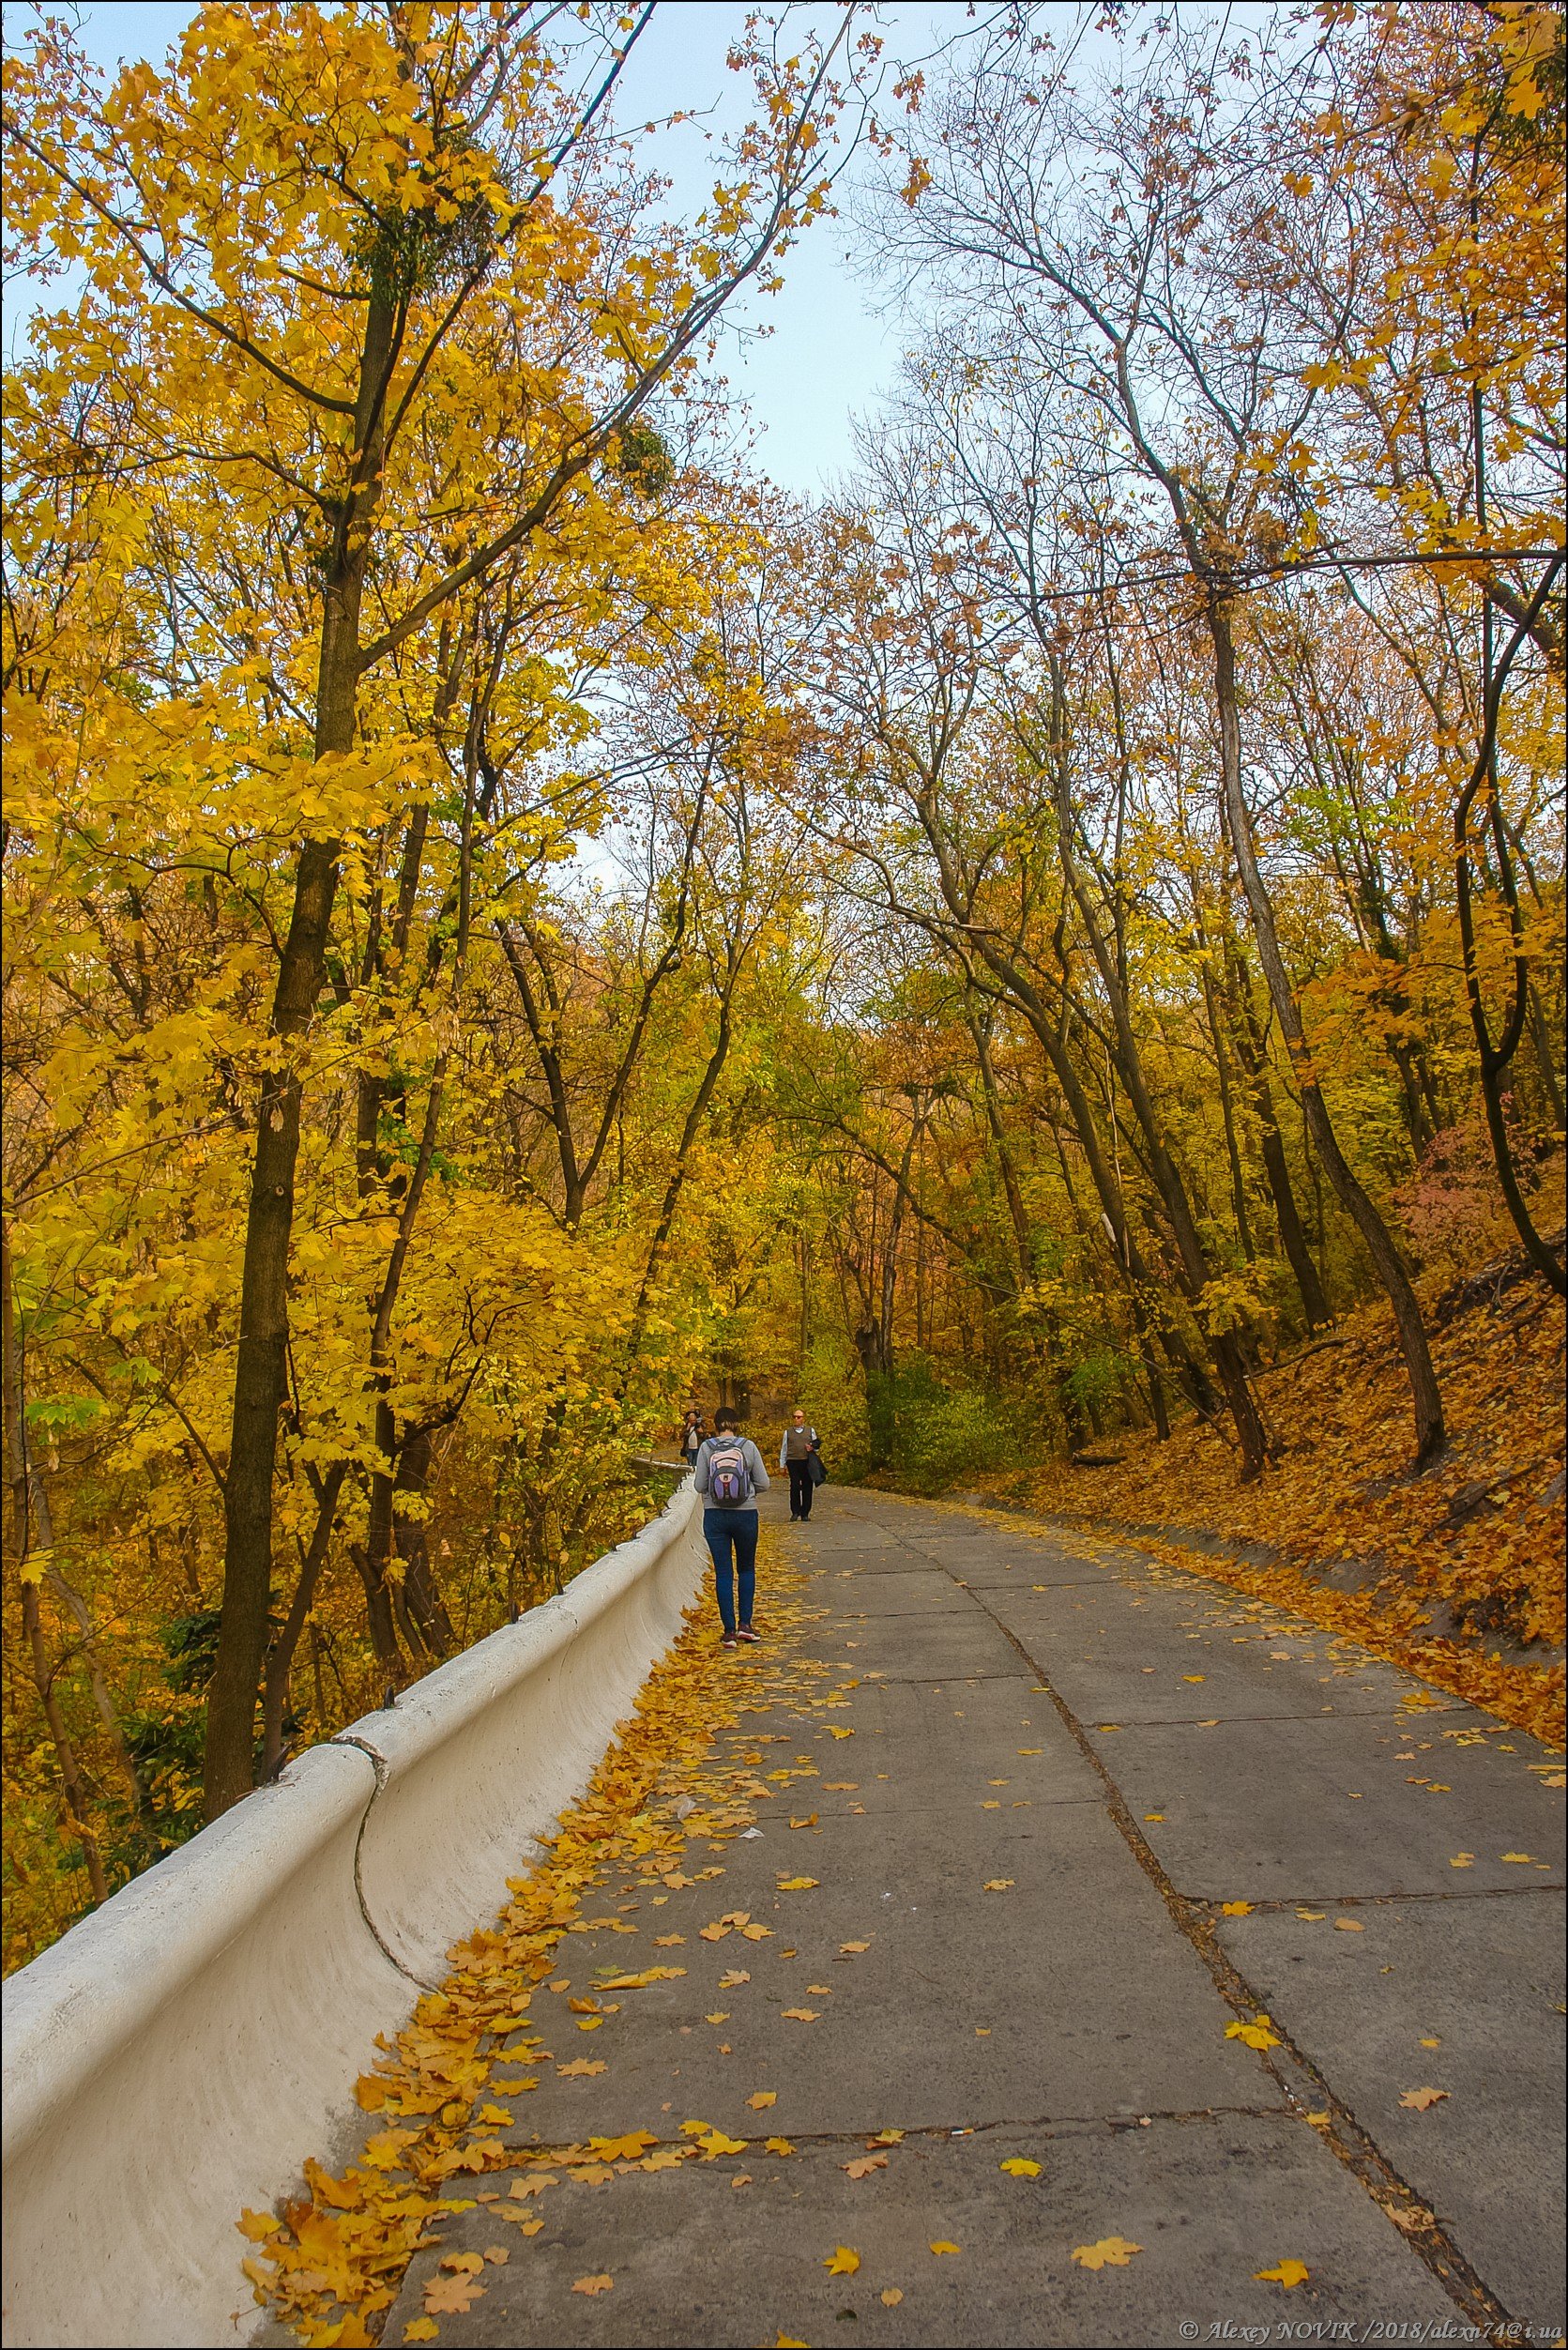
x: 1456, y: 1573
x: 330, y: 2266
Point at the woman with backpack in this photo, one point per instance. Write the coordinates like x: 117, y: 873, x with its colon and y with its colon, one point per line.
x: 729, y: 1476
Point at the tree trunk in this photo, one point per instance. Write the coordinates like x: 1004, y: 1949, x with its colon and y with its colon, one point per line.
x: 261, y: 1364
x: 1431, y: 1435
x: 1293, y: 1240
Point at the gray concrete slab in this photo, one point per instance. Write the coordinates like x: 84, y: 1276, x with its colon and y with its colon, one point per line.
x: 1317, y: 1808
x: 969, y: 1734
x: 1098, y: 1646
x: 968, y: 2006
x: 1463, y: 1995
x: 934, y: 1645
x: 733, y: 2251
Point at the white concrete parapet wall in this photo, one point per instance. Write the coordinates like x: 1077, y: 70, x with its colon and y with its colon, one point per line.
x: 177, y: 2055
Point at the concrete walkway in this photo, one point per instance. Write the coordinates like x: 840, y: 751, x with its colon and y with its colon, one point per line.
x: 1067, y: 1764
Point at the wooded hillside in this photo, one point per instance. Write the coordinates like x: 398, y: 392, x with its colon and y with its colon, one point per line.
x: 513, y: 922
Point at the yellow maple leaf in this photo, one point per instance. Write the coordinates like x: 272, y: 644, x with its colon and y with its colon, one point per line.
x: 942, y: 2245
x: 762, y: 2098
x: 1288, y: 2273
x: 625, y: 2150
x: 841, y: 2262
x: 1111, y: 2251
x: 592, y: 2286
x: 1235, y: 1909
x: 1257, y: 2034
x: 1019, y: 2166
x: 796, y: 1884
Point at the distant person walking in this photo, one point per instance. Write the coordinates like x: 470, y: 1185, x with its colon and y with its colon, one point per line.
x: 729, y: 1474
x: 692, y: 1430
x: 801, y: 1441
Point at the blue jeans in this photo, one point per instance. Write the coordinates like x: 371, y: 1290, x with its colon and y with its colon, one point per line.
x: 727, y: 1531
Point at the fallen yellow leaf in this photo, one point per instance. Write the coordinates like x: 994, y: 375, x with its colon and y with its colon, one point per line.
x: 1288, y: 2273
x: 624, y: 2149
x: 591, y: 2285
x: 890, y: 2296
x: 796, y: 1884
x: 1421, y: 2100
x: 781, y: 2146
x: 841, y: 2262
x: 1111, y: 2251
x: 998, y: 1884
x: 580, y: 2067
x: 1257, y: 2034
x: 1019, y: 2166
x: 863, y: 2165
x: 1235, y: 1909
x: 763, y: 2099
x: 942, y: 2246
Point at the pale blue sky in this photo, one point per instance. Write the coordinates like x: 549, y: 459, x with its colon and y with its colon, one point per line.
x: 827, y: 356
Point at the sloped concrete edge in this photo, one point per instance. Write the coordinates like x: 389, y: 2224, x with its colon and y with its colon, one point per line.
x: 175, y: 2055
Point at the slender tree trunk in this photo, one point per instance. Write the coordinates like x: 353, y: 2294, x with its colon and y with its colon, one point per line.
x: 32, y: 1566
x: 1251, y: 1045
x: 1431, y: 1435
x: 279, y: 1656
x: 261, y: 1362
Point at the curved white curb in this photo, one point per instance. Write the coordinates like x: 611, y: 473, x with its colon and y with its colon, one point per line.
x: 175, y: 2055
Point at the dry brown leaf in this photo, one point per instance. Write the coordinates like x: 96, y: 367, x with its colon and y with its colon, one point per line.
x: 591, y: 2285
x: 864, y: 2164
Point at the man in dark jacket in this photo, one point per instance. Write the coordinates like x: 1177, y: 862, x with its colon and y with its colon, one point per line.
x: 801, y: 1441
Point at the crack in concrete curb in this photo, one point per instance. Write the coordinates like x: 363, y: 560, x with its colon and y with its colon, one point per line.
x: 379, y: 1767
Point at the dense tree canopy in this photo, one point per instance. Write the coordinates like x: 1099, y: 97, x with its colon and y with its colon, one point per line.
x: 512, y: 921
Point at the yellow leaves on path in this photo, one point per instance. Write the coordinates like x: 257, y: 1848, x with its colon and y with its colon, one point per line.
x: 942, y: 2246
x: 420, y: 2329
x: 732, y: 1980
x: 890, y: 2296
x: 1019, y: 2166
x: 1528, y: 1859
x: 998, y: 1884
x: 1349, y: 1926
x: 1235, y: 1909
x: 797, y: 1884
x: 800, y: 2015
x: 1257, y: 2035
x: 1111, y: 2251
x: 762, y: 2098
x: 886, y: 2137
x: 852, y: 1949
x: 863, y: 2165
x: 593, y: 2285
x: 781, y: 2146
x: 1422, y: 2100
x: 842, y: 2261
x: 335, y: 2262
